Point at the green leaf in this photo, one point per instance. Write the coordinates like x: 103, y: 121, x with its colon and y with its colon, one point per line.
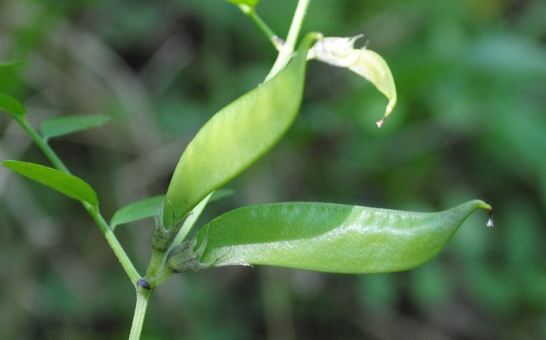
x: 251, y: 3
x: 368, y: 64
x: 136, y: 211
x: 236, y: 137
x: 11, y: 105
x: 11, y: 64
x: 61, y: 126
x: 329, y: 237
x: 72, y: 186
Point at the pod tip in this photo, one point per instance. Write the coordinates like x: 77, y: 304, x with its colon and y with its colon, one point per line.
x: 490, y: 221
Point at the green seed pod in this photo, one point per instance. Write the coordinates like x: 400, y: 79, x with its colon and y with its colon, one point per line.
x: 237, y: 136
x: 330, y: 237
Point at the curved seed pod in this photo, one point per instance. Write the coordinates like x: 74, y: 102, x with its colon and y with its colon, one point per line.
x: 237, y: 136
x: 330, y: 237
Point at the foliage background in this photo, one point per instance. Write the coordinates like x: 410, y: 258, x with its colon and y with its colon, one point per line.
x: 470, y: 123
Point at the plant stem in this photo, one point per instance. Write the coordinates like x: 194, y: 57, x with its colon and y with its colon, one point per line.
x: 157, y: 273
x: 42, y: 144
x: 142, y: 298
x: 251, y: 12
x: 288, y: 48
x: 142, y: 294
x: 189, y: 222
x: 92, y: 210
x: 297, y: 22
x: 112, y: 240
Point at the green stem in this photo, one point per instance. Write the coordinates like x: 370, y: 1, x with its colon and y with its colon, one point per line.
x: 297, y: 22
x: 143, y: 296
x: 112, y: 240
x: 157, y: 274
x: 42, y: 144
x: 190, y: 222
x: 92, y: 210
x: 288, y: 48
x: 273, y: 38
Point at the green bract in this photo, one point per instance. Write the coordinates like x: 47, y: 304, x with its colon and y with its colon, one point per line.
x: 326, y: 237
x: 236, y: 137
x: 163, y: 238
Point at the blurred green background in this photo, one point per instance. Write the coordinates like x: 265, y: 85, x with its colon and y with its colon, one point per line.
x: 470, y: 123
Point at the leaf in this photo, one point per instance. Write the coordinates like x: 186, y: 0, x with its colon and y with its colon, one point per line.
x: 72, y: 186
x: 11, y: 106
x: 250, y: 3
x: 60, y: 126
x: 11, y: 64
x: 329, y: 237
x: 368, y: 64
x: 236, y: 137
x: 136, y: 211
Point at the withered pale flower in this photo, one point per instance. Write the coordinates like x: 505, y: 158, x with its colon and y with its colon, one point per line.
x: 340, y: 52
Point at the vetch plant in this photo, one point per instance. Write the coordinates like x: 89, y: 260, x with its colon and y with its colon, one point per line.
x: 314, y: 236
